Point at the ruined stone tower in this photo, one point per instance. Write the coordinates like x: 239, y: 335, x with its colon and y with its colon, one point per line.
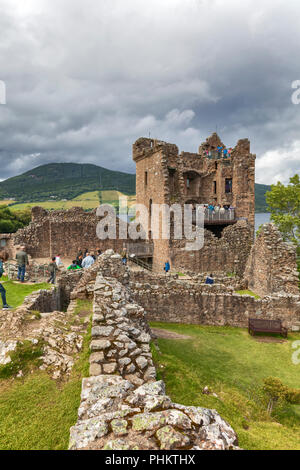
x: 163, y: 176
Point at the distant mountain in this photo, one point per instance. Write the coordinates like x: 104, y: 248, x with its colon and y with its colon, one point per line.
x: 64, y: 181
x: 260, y: 197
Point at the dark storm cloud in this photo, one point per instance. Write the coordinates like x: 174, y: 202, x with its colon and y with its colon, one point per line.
x: 86, y: 79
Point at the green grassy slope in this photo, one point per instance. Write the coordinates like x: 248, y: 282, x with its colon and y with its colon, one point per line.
x: 64, y: 181
x: 233, y: 365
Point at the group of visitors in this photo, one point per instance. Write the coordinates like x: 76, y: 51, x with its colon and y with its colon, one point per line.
x: 216, y: 208
x: 221, y: 151
x: 84, y: 260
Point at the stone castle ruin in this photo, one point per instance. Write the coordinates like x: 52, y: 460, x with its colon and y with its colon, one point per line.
x: 163, y: 176
x: 267, y: 266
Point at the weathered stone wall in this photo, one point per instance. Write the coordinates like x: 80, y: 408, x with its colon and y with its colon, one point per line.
x: 122, y: 406
x: 182, y: 302
x: 7, y: 244
x: 64, y: 232
x: 57, y: 298
x: 272, y: 264
x: 168, y: 299
x: 227, y: 254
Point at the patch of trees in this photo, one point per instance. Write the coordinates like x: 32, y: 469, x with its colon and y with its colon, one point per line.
x: 11, y: 222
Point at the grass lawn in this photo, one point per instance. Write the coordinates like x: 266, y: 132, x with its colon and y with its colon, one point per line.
x: 247, y: 292
x: 87, y: 201
x: 36, y: 412
x: 16, y: 292
x: 233, y: 365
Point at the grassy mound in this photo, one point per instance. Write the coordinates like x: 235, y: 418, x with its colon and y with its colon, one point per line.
x: 233, y: 365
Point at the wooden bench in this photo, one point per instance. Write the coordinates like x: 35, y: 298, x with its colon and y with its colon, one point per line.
x: 266, y: 326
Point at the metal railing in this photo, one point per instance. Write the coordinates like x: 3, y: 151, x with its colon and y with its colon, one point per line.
x: 217, y: 216
x: 141, y: 263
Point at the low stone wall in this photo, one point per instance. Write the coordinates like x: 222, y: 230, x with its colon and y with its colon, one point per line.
x: 182, y: 302
x: 172, y: 300
x: 122, y: 406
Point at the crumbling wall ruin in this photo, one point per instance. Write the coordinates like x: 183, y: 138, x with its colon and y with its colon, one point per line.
x: 272, y: 264
x: 64, y: 232
x: 123, y: 407
x: 227, y: 254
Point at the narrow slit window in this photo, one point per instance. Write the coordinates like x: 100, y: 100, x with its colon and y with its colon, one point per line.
x: 228, y: 185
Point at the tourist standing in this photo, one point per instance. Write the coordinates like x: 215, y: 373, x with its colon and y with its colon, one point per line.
x: 52, y: 268
x: 124, y: 257
x: 58, y: 261
x: 167, y: 267
x: 22, y: 260
x: 88, y: 261
x: 3, y: 258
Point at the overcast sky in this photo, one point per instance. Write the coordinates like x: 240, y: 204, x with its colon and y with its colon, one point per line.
x: 85, y: 79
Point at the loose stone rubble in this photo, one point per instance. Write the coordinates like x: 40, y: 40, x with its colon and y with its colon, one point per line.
x: 60, y: 334
x: 123, y: 407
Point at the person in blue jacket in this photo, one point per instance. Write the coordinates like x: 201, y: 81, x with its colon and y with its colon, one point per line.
x: 3, y: 258
x: 167, y: 267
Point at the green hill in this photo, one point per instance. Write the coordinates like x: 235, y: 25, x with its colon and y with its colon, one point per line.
x: 260, y: 197
x: 64, y: 181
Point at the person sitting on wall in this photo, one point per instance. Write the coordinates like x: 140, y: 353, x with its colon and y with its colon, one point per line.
x: 74, y: 266
x: 22, y: 260
x: 88, y: 261
x: 3, y: 259
x: 211, y: 208
x: 210, y: 280
x: 52, y: 269
x: 167, y: 267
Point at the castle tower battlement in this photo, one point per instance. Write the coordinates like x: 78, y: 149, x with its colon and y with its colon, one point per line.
x: 211, y: 176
